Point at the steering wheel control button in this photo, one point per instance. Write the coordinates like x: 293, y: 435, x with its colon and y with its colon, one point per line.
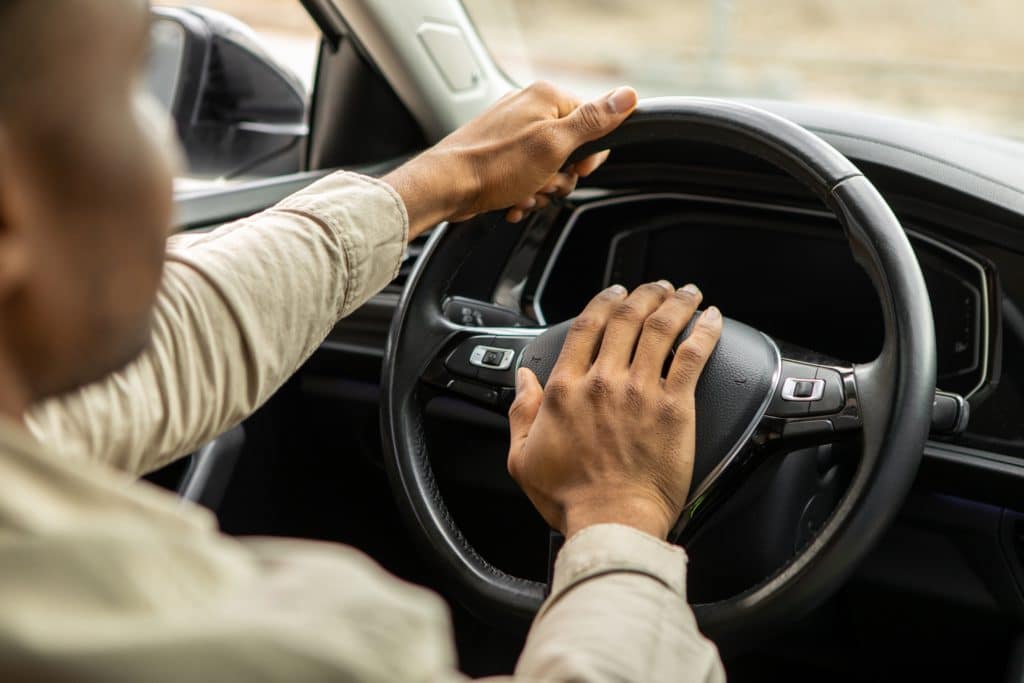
x: 474, y: 391
x: 492, y: 358
x: 832, y: 398
x: 950, y: 413
x: 796, y: 389
x: 460, y: 361
x: 785, y: 403
x: 473, y: 313
x: 804, y: 388
x: 806, y: 428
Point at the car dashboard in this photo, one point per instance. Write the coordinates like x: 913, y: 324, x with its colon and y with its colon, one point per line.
x: 784, y: 270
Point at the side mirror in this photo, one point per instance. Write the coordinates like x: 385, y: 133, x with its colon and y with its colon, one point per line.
x: 237, y: 111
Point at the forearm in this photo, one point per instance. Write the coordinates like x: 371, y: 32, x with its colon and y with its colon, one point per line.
x: 239, y: 310
x: 618, y: 612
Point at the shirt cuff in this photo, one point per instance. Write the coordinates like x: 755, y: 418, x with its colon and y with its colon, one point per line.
x: 369, y: 219
x: 612, y: 548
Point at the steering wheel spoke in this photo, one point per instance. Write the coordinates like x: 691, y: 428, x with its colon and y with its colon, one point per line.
x: 814, y: 402
x: 479, y: 363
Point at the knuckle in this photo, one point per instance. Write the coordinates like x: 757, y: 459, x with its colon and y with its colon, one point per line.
x: 627, y: 311
x: 585, y: 324
x: 557, y: 390
x: 660, y: 325
x: 672, y: 412
x: 668, y: 411
x: 634, y: 396
x: 598, y: 387
x: 588, y: 116
x: 543, y: 88
x: 690, y: 355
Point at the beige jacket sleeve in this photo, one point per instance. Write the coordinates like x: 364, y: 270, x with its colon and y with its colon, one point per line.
x: 106, y: 578
x: 239, y: 310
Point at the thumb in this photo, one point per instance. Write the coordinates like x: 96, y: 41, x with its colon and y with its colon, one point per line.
x: 597, y: 118
x: 523, y: 412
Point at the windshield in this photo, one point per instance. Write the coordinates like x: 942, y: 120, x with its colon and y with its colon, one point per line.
x: 952, y: 62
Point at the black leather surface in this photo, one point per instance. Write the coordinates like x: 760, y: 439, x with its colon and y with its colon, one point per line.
x: 733, y: 124
x: 731, y: 395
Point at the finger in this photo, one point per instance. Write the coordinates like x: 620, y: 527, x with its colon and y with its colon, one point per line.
x: 661, y: 329
x: 627, y: 320
x: 543, y: 201
x: 514, y: 215
x: 693, y: 353
x: 585, y: 167
x: 596, y: 118
x: 584, y: 338
x: 523, y: 411
x: 551, y: 94
x: 526, y: 204
x: 560, y: 185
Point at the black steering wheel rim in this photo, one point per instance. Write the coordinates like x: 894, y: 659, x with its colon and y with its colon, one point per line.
x: 898, y: 386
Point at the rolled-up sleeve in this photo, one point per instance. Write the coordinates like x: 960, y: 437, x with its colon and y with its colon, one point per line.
x: 239, y: 309
x: 618, y: 612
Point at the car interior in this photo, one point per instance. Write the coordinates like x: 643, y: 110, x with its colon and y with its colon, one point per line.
x: 825, y: 542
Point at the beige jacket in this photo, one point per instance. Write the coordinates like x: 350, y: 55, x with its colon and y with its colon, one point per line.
x: 103, y: 577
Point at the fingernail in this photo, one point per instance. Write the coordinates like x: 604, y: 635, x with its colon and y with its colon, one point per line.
x: 666, y: 284
x: 529, y: 203
x: 690, y: 288
x: 520, y: 381
x: 711, y: 314
x: 617, y: 289
x: 621, y: 99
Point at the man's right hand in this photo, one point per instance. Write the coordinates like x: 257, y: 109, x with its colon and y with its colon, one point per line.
x: 511, y: 157
x: 608, y: 439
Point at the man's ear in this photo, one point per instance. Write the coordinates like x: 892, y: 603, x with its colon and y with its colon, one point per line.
x: 15, y: 217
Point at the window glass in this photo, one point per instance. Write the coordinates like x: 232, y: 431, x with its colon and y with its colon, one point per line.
x: 955, y: 62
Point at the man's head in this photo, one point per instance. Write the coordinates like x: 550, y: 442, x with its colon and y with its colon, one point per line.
x: 85, y: 193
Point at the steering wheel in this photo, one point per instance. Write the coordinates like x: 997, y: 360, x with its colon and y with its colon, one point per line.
x: 752, y: 400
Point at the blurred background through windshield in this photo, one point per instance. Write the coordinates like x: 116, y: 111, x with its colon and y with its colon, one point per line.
x: 958, y: 62
x: 954, y: 62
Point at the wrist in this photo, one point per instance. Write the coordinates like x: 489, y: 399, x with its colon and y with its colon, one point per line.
x: 641, y: 514
x: 435, y: 186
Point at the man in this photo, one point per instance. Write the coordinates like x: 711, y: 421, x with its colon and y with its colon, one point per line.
x: 120, y: 351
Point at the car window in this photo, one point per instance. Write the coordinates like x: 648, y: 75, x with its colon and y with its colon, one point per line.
x: 953, y: 62
x: 286, y: 35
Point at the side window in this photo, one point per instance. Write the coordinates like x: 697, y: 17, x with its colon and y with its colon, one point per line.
x: 236, y: 77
